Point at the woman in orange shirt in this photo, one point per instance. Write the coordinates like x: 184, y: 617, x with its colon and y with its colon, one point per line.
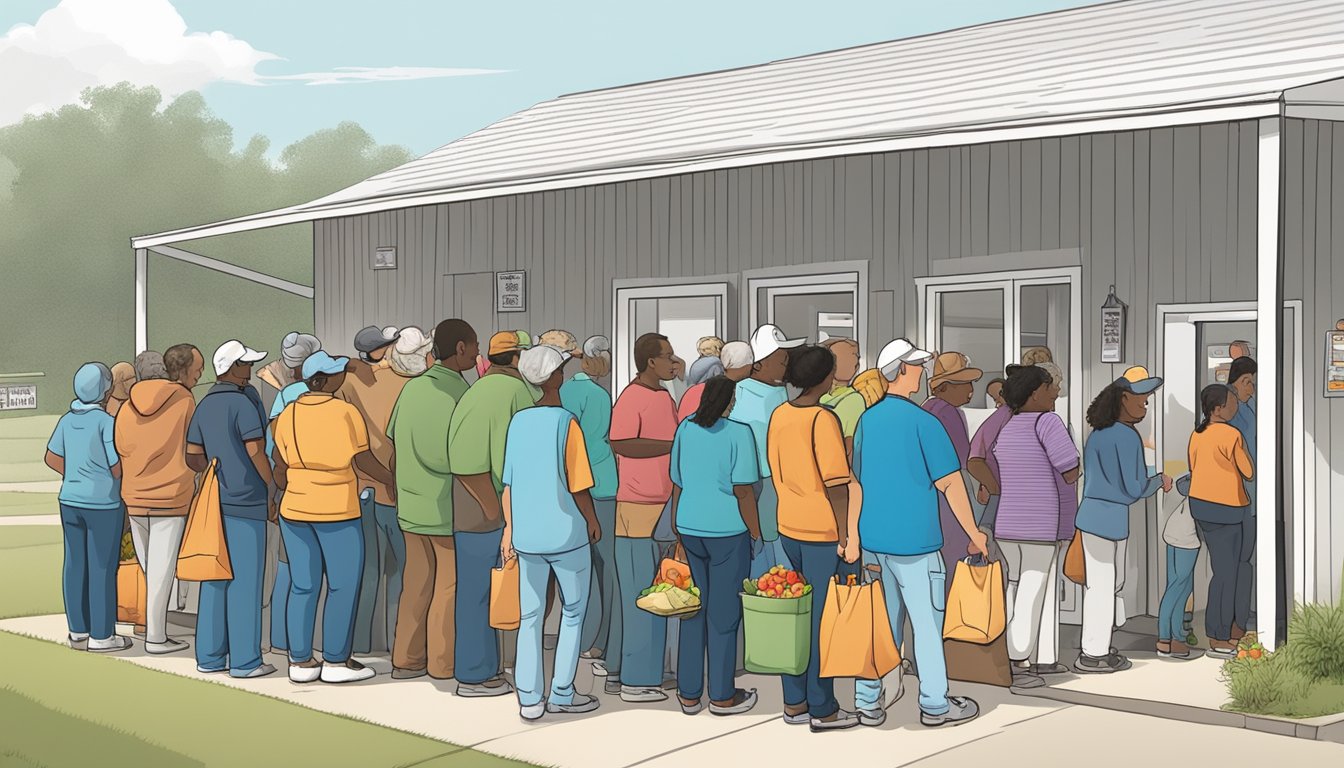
x: 1220, y: 465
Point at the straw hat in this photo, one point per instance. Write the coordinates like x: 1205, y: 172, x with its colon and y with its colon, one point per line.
x: 953, y: 368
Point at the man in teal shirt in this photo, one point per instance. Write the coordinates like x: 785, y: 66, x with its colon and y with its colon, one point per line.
x: 418, y: 429
x: 591, y: 405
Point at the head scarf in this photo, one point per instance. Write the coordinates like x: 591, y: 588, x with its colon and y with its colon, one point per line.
x: 92, y: 383
x: 297, y: 347
x: 408, y: 354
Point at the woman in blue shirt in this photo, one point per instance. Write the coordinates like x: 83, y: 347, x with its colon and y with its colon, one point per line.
x: 1115, y: 476
x: 714, y: 467
x: 92, y: 515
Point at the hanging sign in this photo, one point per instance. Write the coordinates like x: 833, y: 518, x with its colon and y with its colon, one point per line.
x: 1112, y: 329
x: 511, y: 291
x: 1334, y: 361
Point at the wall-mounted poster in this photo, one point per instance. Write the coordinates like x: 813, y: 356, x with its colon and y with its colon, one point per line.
x: 385, y: 258
x: 1334, y: 364
x: 511, y: 291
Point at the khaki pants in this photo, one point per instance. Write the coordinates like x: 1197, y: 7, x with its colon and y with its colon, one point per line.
x: 425, y: 616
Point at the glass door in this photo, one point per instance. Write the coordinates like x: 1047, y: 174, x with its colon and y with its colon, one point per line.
x: 682, y: 313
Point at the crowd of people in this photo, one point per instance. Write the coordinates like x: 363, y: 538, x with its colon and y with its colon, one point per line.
x: 390, y: 480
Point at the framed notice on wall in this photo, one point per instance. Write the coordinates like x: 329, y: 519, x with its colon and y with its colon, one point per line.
x: 1334, y: 363
x: 511, y: 291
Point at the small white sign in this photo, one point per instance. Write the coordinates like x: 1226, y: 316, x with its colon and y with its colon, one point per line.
x: 511, y: 291
x: 1112, y: 334
x: 18, y: 398
x: 385, y: 258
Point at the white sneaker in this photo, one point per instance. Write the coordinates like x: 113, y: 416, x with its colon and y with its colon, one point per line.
x: 298, y: 673
x: 167, y: 646
x: 600, y: 668
x: 349, y: 672
x: 78, y: 642
x: 533, y: 712
x: 110, y: 645
x: 578, y: 705
x: 639, y: 695
x: 261, y: 671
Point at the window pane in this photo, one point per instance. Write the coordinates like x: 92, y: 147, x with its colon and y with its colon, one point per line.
x: 971, y: 322
x: 809, y: 315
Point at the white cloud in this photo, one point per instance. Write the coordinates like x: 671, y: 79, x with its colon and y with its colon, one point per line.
x: 83, y: 43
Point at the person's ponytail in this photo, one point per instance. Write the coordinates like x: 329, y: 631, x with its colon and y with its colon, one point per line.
x: 1211, y: 399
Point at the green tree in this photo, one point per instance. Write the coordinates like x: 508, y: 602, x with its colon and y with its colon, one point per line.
x: 77, y: 183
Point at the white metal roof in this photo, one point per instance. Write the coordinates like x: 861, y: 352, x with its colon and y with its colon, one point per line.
x: 1031, y: 76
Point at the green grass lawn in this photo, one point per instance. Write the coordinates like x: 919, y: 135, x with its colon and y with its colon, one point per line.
x: 63, y: 707
x: 19, y: 504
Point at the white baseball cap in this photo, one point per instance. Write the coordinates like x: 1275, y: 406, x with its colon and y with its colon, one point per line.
x: 538, y: 363
x: 233, y: 351
x: 768, y: 339
x: 900, y: 351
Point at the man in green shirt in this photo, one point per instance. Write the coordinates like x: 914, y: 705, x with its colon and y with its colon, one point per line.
x: 847, y: 403
x: 418, y: 430
x: 476, y: 437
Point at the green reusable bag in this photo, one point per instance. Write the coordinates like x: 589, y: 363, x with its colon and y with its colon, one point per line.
x: 777, y: 634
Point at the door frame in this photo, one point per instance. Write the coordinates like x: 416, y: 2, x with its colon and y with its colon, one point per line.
x: 623, y: 338
x: 1303, y: 512
x: 846, y: 276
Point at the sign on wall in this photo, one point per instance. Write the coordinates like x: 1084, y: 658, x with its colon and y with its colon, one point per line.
x: 1334, y: 362
x: 1113, y: 329
x: 18, y: 398
x: 511, y: 291
x: 385, y: 257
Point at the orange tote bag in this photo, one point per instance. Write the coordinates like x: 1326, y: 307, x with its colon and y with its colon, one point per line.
x: 856, y: 637
x: 204, y: 555
x: 505, y: 604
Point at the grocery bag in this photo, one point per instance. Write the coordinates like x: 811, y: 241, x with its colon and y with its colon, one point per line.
x: 204, y: 555
x: 674, y: 569
x: 131, y: 592
x: 856, y: 637
x: 505, y: 604
x: 776, y: 634
x: 986, y: 664
x: 1075, y: 567
x: 976, y: 606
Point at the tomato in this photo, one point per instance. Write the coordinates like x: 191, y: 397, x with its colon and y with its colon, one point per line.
x: 792, y: 578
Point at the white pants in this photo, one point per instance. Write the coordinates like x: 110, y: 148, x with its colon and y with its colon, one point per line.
x: 1103, y: 608
x: 157, y: 541
x: 1033, y: 603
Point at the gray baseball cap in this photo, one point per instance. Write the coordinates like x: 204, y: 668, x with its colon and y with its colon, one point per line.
x: 372, y: 339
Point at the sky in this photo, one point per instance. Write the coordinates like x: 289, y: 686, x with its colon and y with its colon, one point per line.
x: 421, y: 74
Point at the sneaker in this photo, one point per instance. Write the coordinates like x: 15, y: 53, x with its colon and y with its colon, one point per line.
x: 801, y: 718
x: 841, y: 720
x: 209, y: 671
x: 691, y: 709
x: 307, y: 672
x: 488, y: 689
x: 1090, y: 665
x: 1023, y: 680
x: 78, y: 642
x: 408, y: 674
x: 600, y: 668
x: 961, y: 709
x: 581, y: 703
x: 1218, y: 649
x: 634, y: 694
x: 110, y: 645
x: 743, y: 701
x: 261, y: 671
x: 167, y: 646
x: 1173, y: 649
x: 349, y: 672
x: 612, y: 687
x: 533, y: 712
x: 872, y: 718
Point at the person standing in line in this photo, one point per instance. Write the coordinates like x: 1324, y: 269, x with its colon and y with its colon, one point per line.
x: 713, y: 470
x: 1038, y: 467
x: 371, y: 386
x: 806, y: 451
x: 318, y: 440
x: 735, y: 360
x: 1115, y: 477
x: 82, y: 451
x: 550, y: 526
x: 149, y: 365
x: 476, y: 443
x: 1241, y: 379
x: 643, y: 426
x: 757, y: 398
x: 994, y: 391
x: 228, y: 427
x: 1181, y: 535
x: 951, y: 388
x: 903, y: 459
x: 847, y: 402
x: 590, y: 403
x: 981, y: 464
x: 123, y: 378
x: 157, y: 485
x: 1220, y: 465
x: 295, y: 348
x: 423, y: 643
x: 708, y: 364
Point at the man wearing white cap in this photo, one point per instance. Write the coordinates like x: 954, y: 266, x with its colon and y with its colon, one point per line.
x: 757, y: 398
x: 229, y: 427
x: 550, y: 526
x: 903, y: 460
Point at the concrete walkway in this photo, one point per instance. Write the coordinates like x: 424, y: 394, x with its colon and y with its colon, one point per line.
x: 44, y: 486
x: 30, y: 520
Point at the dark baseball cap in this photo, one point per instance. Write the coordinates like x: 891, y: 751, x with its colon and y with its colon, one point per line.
x: 372, y: 339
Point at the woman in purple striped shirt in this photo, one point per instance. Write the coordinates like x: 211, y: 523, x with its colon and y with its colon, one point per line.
x: 1038, y: 466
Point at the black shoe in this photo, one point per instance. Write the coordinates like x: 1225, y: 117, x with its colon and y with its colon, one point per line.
x: 1090, y: 665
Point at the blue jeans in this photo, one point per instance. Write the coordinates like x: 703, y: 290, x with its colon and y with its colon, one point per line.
x: 1180, y: 585
x: 913, y: 585
x: 334, y: 550
x: 818, y: 563
x: 89, y: 577
x: 228, y: 624
x: 1244, y: 607
x: 718, y: 567
x: 573, y: 571
x: 384, y: 556
x: 772, y: 550
x: 476, y: 652
x: 602, y: 620
x: 280, y: 608
x: 643, y: 635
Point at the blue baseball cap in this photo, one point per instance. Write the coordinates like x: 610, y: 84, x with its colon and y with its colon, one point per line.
x: 321, y: 362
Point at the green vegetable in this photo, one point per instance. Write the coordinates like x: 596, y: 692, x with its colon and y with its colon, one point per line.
x: 807, y: 589
x: 695, y: 591
x: 749, y: 586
